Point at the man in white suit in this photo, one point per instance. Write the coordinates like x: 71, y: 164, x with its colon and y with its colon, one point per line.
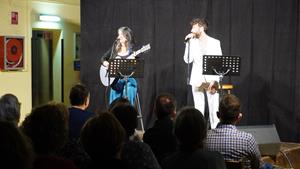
x: 199, y: 44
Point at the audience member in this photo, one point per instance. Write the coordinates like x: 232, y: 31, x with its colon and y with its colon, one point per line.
x: 190, y: 130
x: 138, y: 134
x: 102, y: 138
x: 47, y: 128
x: 10, y: 108
x: 80, y: 99
x: 136, y: 153
x: 161, y: 137
x: 73, y: 150
x: 120, y: 100
x: 15, y: 150
x: 233, y: 144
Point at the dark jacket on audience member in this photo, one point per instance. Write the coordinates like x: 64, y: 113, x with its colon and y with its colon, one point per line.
x: 77, y: 118
x: 138, y: 155
x: 161, y: 138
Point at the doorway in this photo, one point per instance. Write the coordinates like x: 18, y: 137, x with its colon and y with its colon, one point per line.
x: 46, y: 67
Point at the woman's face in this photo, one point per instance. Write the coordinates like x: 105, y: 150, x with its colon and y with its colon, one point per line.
x: 122, y: 37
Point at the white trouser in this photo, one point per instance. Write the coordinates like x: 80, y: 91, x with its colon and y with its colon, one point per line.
x: 213, y: 104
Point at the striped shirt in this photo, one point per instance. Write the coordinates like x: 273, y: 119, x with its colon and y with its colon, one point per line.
x: 234, y: 145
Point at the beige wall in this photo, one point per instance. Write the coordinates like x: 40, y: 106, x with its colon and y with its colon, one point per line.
x: 71, y: 77
x: 19, y: 82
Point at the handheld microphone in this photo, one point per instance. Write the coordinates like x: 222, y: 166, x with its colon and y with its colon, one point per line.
x: 187, y: 39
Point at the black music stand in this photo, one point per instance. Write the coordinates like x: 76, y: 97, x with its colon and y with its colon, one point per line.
x: 127, y: 68
x: 221, y: 66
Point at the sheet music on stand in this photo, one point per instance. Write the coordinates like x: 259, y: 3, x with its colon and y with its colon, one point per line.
x: 126, y: 67
x: 214, y: 64
x: 222, y: 66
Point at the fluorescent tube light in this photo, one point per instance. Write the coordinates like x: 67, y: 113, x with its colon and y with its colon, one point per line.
x: 49, y: 18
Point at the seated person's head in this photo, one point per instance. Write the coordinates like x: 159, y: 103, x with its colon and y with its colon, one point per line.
x: 165, y: 106
x: 10, y: 108
x: 15, y: 150
x: 127, y: 116
x: 118, y: 101
x: 190, y: 129
x: 79, y: 95
x: 102, y: 137
x: 229, y: 110
x: 47, y: 127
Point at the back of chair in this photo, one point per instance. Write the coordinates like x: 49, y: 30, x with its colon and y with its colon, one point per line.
x: 234, y: 165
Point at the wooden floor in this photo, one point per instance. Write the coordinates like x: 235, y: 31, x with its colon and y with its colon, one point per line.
x: 288, y: 157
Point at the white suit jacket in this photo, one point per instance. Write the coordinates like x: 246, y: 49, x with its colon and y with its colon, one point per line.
x: 196, y: 56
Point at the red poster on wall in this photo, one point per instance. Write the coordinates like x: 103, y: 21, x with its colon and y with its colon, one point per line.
x: 11, y: 53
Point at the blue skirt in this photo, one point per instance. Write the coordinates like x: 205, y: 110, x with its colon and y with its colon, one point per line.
x: 119, y: 90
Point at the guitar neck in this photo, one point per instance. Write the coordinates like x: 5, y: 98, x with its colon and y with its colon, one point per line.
x: 143, y: 49
x: 134, y: 54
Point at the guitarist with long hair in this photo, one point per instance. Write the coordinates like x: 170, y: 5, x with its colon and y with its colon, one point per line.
x: 122, y: 49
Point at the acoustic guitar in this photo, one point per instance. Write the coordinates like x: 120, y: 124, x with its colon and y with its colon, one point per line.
x: 103, y: 71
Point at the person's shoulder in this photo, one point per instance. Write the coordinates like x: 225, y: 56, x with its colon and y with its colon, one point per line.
x: 213, y: 39
x: 137, y: 145
x: 74, y: 110
x: 77, y: 110
x: 169, y: 160
x: 214, y: 159
x: 154, y: 130
x: 211, y: 154
x: 215, y: 131
x: 246, y: 138
x: 245, y: 134
x: 89, y: 113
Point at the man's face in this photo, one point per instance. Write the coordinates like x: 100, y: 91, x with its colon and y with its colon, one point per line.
x: 197, y: 29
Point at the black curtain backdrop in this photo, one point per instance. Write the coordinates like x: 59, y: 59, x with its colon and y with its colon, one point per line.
x: 265, y: 33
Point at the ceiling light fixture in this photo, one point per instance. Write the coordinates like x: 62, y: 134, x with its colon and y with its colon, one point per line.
x: 49, y: 18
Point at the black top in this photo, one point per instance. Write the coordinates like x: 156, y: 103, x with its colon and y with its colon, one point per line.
x: 74, y: 151
x: 108, y: 55
x: 138, y: 155
x: 161, y: 138
x: 77, y: 118
x: 113, y: 54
